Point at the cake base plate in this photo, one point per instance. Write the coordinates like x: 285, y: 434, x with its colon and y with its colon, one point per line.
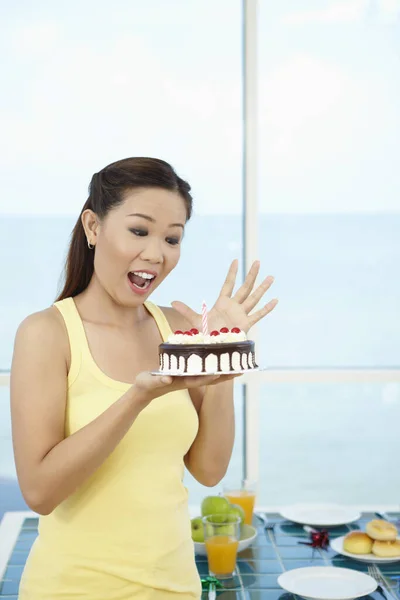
x: 213, y: 373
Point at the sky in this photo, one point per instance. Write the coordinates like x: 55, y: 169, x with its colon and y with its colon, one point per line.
x: 84, y: 85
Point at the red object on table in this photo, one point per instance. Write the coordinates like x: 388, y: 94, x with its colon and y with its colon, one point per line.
x: 319, y: 539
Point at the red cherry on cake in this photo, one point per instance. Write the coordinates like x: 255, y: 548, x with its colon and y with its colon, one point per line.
x: 187, y: 333
x: 195, y: 331
x: 235, y: 330
x: 224, y: 330
x: 178, y: 332
x: 215, y: 332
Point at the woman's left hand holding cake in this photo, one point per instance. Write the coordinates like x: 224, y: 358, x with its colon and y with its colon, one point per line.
x: 234, y: 310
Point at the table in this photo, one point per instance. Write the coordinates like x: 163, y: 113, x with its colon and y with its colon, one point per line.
x: 258, y: 567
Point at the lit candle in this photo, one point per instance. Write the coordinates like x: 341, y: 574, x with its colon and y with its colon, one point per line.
x: 204, y: 319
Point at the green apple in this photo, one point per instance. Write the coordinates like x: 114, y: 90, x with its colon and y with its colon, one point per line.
x: 217, y: 518
x: 235, y: 511
x: 226, y: 530
x: 214, y: 505
x: 197, y: 529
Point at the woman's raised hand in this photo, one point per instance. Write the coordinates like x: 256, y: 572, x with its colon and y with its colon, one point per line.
x: 234, y: 310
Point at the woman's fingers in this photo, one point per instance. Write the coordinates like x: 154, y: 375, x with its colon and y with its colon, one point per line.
x: 260, y: 314
x: 185, y: 310
x: 145, y: 381
x: 248, y: 284
x: 229, y: 283
x: 148, y: 386
x: 256, y: 296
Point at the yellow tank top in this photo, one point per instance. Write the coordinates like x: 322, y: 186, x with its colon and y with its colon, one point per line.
x: 125, y: 533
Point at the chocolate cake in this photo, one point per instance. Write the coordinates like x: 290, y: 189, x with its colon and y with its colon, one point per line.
x: 193, y: 353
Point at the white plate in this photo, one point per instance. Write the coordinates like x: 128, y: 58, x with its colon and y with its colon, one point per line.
x: 214, y: 373
x: 327, y: 583
x: 249, y: 534
x: 337, y: 545
x: 320, y: 515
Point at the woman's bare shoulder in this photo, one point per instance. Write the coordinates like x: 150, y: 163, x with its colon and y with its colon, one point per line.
x: 44, y: 329
x: 43, y: 322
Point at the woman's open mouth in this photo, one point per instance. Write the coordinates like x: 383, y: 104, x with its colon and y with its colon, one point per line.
x: 140, y: 281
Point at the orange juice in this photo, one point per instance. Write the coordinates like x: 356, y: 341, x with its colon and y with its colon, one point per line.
x: 221, y: 553
x: 245, y: 499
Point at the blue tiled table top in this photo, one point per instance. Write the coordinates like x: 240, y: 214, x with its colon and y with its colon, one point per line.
x: 258, y: 567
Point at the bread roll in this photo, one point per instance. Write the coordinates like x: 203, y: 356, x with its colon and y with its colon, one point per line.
x: 381, y: 530
x: 386, y: 549
x: 357, y: 542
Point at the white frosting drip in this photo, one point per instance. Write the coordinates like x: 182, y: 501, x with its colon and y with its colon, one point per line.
x: 174, y: 363
x: 211, y: 363
x: 194, y: 364
x: 225, y: 366
x: 236, y: 361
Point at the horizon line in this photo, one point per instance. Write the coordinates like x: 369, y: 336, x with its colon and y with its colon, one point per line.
x: 223, y: 214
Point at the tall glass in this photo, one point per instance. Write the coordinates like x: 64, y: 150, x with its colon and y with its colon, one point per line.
x: 242, y: 493
x: 222, y: 541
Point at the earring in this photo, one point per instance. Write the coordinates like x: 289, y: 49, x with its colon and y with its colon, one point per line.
x: 90, y: 246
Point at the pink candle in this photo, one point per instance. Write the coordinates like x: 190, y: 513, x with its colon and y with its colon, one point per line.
x: 204, y: 319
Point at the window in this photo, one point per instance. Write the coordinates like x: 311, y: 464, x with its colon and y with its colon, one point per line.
x: 330, y: 215
x: 149, y: 79
x: 329, y: 442
x: 329, y: 181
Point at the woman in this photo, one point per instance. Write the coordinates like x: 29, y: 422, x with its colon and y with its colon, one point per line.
x: 100, y: 444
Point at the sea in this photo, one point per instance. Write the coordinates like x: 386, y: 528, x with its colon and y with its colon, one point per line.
x: 338, y: 285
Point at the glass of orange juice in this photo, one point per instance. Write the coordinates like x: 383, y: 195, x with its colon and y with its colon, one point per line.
x: 222, y: 541
x: 242, y: 493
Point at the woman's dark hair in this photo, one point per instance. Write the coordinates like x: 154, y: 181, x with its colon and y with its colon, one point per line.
x: 106, y: 191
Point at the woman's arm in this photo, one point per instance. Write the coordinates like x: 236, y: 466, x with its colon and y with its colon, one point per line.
x: 49, y: 467
x: 210, y: 453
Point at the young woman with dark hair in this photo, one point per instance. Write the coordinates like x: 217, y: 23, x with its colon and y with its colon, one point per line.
x: 100, y: 444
